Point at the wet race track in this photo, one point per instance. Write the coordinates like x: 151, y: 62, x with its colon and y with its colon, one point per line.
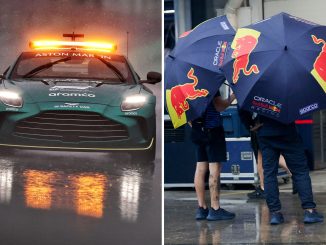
x: 251, y: 224
x: 78, y: 198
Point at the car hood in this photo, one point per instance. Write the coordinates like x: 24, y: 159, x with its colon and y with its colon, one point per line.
x: 71, y: 91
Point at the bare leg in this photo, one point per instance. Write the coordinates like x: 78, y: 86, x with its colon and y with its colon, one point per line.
x: 214, y: 184
x: 199, y: 180
x: 283, y: 165
x: 260, y: 169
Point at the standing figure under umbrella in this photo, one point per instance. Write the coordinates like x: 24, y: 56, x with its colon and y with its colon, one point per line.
x: 192, y: 81
x: 278, y: 70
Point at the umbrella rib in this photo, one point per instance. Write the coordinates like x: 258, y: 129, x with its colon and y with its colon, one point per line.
x: 299, y: 62
x: 299, y: 37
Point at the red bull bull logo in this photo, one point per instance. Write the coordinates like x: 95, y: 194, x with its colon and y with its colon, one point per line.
x: 181, y: 93
x: 243, y: 44
x: 319, y: 70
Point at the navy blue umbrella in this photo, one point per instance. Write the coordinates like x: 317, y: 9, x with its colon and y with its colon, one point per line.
x: 192, y: 70
x: 277, y: 67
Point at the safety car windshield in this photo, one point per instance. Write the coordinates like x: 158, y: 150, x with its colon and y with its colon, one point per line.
x: 75, y: 65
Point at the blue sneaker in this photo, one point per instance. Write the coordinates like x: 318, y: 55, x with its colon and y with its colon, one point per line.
x: 276, y: 218
x: 219, y: 214
x: 312, y: 217
x: 257, y: 194
x: 201, y: 213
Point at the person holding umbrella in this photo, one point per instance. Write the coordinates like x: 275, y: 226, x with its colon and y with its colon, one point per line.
x: 276, y: 138
x: 277, y: 70
x: 250, y: 120
x: 208, y: 137
x: 192, y: 81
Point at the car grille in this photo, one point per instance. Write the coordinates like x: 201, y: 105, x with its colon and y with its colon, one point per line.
x: 70, y: 126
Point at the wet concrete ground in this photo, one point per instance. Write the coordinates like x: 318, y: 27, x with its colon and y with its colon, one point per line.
x: 251, y: 225
x: 78, y: 198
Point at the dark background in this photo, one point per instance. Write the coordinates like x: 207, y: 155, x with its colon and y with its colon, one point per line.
x: 25, y: 20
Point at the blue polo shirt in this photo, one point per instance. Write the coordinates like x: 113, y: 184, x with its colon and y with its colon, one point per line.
x: 211, y: 117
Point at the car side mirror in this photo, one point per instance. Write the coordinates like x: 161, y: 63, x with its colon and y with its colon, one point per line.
x: 152, y: 78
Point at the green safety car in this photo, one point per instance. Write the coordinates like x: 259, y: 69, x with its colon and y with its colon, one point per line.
x: 78, y: 96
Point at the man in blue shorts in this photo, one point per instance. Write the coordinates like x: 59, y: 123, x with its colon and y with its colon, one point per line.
x: 208, y: 136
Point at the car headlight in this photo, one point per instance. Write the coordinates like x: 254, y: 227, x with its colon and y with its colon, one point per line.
x: 133, y: 102
x: 11, y: 99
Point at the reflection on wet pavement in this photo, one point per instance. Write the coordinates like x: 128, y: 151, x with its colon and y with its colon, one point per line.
x: 38, y: 190
x: 250, y: 226
x: 82, y: 193
x: 6, y: 175
x: 89, y: 196
x: 78, y: 198
x: 129, y: 197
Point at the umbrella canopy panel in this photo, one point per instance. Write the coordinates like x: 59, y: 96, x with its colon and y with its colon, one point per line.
x: 277, y: 67
x: 192, y: 70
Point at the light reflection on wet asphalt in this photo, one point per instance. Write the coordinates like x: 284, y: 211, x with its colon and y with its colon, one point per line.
x: 78, y: 198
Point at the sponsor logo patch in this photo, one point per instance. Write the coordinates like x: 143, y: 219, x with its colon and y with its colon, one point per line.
x: 267, y: 106
x: 71, y: 91
x: 70, y: 88
x: 72, y: 106
x: 224, y: 25
x: 11, y: 109
x: 220, y: 53
x: 131, y: 113
x: 308, y: 108
x: 72, y: 95
x: 67, y: 54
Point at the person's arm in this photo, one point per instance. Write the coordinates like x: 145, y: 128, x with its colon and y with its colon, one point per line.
x: 221, y: 105
x: 256, y: 127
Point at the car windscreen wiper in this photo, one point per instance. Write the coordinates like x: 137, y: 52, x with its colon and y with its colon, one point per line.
x: 113, y: 68
x: 44, y: 67
x: 42, y: 81
x: 105, y: 82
